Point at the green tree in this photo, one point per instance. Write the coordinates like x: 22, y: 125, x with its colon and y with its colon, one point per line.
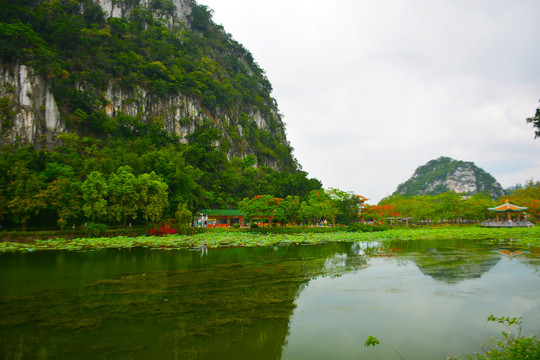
x: 64, y: 197
x: 318, y: 207
x: 183, y: 217
x: 449, y: 206
x: 292, y: 209
x: 475, y: 208
x: 152, y: 196
x: 123, y: 196
x: 95, y: 191
x: 24, y: 189
x: 348, y: 205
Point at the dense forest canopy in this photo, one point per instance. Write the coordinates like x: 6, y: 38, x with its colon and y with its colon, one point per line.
x: 84, y: 173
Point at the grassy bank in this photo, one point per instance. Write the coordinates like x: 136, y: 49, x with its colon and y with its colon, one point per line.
x: 237, y: 237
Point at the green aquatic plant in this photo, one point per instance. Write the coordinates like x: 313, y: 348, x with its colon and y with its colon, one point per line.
x: 240, y: 237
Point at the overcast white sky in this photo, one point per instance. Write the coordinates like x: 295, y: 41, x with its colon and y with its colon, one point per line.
x: 372, y: 89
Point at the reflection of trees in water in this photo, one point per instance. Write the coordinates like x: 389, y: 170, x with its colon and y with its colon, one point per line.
x: 352, y: 259
x: 229, y: 303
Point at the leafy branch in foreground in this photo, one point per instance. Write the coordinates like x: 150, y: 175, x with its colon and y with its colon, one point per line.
x: 373, y: 341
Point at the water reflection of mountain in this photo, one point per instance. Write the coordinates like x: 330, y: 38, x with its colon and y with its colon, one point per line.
x: 451, y: 267
x: 449, y: 261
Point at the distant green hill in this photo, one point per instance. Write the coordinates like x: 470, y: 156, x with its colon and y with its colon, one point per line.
x: 446, y: 174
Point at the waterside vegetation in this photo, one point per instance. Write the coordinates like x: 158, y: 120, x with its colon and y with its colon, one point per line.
x: 527, y: 237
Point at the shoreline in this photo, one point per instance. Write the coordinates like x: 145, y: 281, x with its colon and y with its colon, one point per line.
x: 527, y: 237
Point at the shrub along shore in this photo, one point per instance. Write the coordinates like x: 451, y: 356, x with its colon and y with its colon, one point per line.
x: 526, y: 237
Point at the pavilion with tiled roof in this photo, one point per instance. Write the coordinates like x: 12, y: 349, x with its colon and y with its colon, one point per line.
x: 508, y: 209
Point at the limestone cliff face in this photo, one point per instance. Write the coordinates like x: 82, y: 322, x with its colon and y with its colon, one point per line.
x: 29, y: 110
x: 31, y: 113
x: 120, y: 9
x: 446, y: 174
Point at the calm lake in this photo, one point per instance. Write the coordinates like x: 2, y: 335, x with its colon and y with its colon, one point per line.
x: 429, y: 300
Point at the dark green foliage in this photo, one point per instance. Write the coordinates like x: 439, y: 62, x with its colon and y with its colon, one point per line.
x: 94, y: 229
x: 7, y: 113
x: 198, y: 175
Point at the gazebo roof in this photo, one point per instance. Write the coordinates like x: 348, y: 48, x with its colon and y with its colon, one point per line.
x: 507, y: 207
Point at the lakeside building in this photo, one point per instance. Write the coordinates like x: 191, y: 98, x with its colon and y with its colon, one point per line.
x: 218, y: 218
x: 509, y: 210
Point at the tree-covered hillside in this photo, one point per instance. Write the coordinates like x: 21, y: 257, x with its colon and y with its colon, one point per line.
x: 146, y: 99
x: 85, y: 55
x: 445, y: 174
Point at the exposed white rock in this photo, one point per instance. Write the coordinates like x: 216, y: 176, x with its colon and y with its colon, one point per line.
x: 115, y: 8
x: 36, y: 117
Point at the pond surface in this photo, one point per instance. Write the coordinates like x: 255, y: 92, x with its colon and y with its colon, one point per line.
x: 427, y: 299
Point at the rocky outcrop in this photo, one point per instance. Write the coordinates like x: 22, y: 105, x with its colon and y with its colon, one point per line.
x: 446, y: 174
x: 29, y: 111
x: 178, y: 13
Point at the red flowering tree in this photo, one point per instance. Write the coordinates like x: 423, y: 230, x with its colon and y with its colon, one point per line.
x: 379, y: 213
x: 264, y: 208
